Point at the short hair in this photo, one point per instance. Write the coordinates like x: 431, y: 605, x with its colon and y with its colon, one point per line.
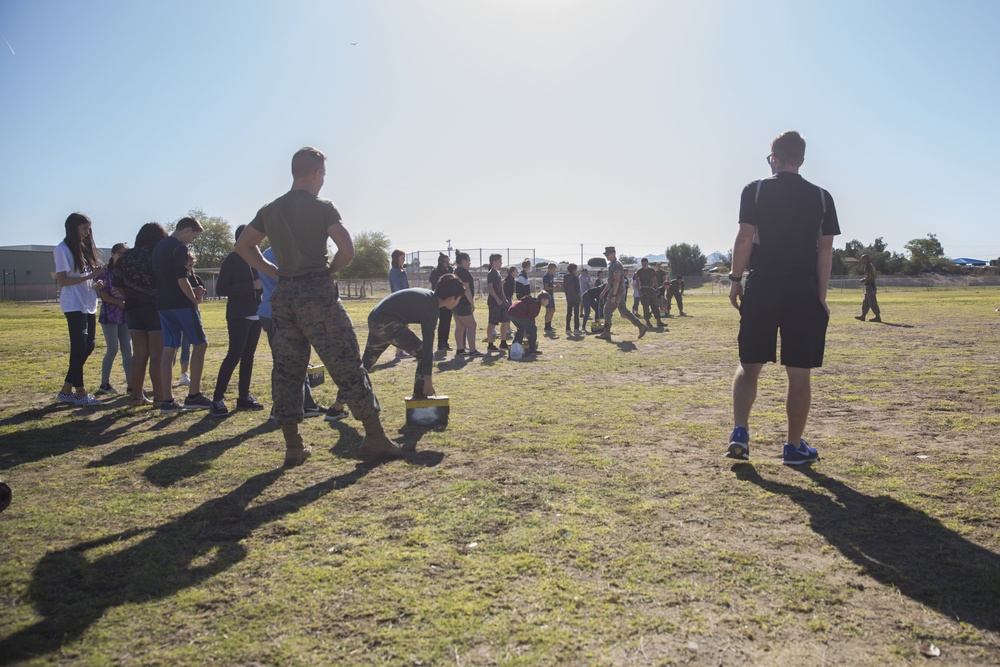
x: 551, y: 265
x: 189, y: 222
x: 544, y: 295
x: 306, y: 161
x: 149, y: 235
x: 511, y: 269
x: 644, y: 261
x: 449, y: 286
x: 571, y: 268
x: 526, y: 262
x: 239, y: 230
x: 495, y: 256
x: 789, y: 147
x: 396, y: 254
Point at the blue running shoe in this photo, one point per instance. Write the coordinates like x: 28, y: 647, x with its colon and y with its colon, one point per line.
x: 739, y: 444
x: 796, y: 456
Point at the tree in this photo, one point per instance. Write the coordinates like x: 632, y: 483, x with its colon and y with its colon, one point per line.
x: 925, y: 253
x: 371, y: 257
x: 854, y: 248
x: 215, y: 243
x: 597, y: 263
x: 685, y: 260
x: 628, y: 259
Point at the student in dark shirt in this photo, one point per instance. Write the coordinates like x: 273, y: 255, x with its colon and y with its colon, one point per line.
x: 388, y: 325
x: 523, y: 314
x: 444, y: 317
x: 465, y: 319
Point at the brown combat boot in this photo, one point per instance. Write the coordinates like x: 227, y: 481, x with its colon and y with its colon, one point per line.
x: 296, y: 452
x: 377, y: 444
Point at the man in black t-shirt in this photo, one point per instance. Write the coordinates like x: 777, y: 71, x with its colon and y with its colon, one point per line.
x: 177, y: 307
x: 787, y: 226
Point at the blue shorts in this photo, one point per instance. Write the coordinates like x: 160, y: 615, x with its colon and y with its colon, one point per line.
x: 176, y: 320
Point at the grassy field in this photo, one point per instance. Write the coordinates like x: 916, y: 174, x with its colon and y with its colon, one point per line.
x: 577, y: 509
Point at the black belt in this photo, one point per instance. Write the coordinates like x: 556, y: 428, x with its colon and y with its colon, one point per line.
x: 306, y: 276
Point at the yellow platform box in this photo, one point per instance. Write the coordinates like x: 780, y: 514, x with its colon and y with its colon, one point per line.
x: 316, y: 375
x: 429, y: 411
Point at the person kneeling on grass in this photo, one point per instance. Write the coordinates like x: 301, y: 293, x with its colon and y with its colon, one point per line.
x: 387, y: 325
x: 523, y: 314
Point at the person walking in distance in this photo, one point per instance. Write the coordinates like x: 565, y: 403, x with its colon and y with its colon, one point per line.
x: 647, y: 293
x: 870, y: 302
x: 615, y: 295
x: 785, y: 239
x: 306, y: 307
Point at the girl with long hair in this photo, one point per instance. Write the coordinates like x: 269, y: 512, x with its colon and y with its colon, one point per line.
x: 465, y: 321
x: 444, y: 319
x: 77, y: 264
x: 112, y: 321
x: 133, y: 275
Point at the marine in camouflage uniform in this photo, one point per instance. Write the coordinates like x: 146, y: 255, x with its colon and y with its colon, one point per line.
x: 871, y: 301
x: 306, y: 307
x: 615, y: 293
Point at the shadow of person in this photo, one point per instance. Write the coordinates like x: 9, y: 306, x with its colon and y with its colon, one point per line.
x: 33, y: 444
x: 899, y: 546
x: 626, y: 346
x: 349, y: 442
x: 173, y: 438
x: 71, y: 591
x: 894, y: 324
x: 197, y: 459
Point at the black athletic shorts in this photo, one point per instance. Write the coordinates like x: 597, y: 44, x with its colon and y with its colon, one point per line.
x: 498, y: 313
x: 143, y: 318
x: 791, y: 307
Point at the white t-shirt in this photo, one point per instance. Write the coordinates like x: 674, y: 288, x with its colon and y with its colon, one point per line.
x: 75, y: 298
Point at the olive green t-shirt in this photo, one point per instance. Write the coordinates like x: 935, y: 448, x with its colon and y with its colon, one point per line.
x: 870, y: 274
x: 296, y: 225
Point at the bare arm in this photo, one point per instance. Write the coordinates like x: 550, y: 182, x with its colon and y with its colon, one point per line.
x: 824, y: 265
x: 66, y: 281
x: 248, y: 247
x: 345, y: 246
x: 188, y: 290
x: 741, y: 258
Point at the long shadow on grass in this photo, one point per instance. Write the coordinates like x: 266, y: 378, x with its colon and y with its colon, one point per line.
x: 71, y: 590
x: 174, y: 438
x: 899, y: 546
x: 197, y: 459
x: 39, y: 443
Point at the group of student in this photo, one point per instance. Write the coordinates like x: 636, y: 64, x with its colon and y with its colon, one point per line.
x: 149, y: 296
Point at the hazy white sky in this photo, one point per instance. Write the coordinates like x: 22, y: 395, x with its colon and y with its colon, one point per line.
x: 541, y: 124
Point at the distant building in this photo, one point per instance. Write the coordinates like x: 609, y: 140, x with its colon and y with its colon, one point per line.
x: 29, y: 272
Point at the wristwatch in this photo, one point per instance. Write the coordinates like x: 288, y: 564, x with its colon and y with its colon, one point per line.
x: 736, y: 279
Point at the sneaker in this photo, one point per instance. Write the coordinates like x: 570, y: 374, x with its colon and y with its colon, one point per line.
x: 739, y: 444
x: 642, y: 329
x: 335, y: 415
x: 198, y: 401
x: 577, y: 331
x: 504, y: 346
x: 568, y: 330
x: 218, y: 409
x: 248, y: 402
x: 474, y: 353
x: 492, y: 348
x: 87, y: 401
x: 185, y: 380
x: 444, y: 348
x: 860, y: 317
x: 169, y: 407
x: 315, y: 411
x: 105, y: 389
x: 796, y: 456
x: 403, y: 355
x: 65, y: 398
x: 460, y: 352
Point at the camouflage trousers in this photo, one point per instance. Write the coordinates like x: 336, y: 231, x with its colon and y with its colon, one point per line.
x: 647, y: 297
x: 309, y: 312
x: 670, y: 295
x: 871, y: 301
x: 621, y: 306
x: 382, y: 334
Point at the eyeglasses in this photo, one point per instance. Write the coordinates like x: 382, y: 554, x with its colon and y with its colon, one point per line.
x: 770, y: 159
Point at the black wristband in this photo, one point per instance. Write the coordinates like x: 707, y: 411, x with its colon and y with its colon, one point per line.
x: 736, y: 279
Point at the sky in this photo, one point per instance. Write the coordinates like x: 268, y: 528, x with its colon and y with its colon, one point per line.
x: 559, y: 126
